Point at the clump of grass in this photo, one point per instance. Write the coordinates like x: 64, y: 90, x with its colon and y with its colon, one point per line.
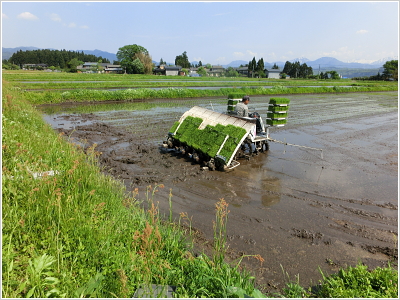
x: 359, y: 282
x: 351, y: 282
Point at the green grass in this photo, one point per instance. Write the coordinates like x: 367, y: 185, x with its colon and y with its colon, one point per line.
x: 350, y: 282
x: 78, y: 233
x: 92, y: 87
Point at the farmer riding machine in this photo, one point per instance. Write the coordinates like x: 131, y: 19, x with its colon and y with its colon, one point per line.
x: 219, y: 140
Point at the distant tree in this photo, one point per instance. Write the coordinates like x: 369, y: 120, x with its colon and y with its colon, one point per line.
x: 126, y: 57
x: 287, y: 67
x: 231, y: 72
x: 252, y: 67
x: 72, y: 64
x: 334, y: 75
x: 208, y: 66
x: 391, y: 69
x: 200, y: 63
x: 146, y: 61
x: 57, y: 58
x: 275, y: 66
x: 260, y: 65
x: 184, y: 70
x: 202, y: 71
x: 162, y: 62
x: 295, y: 70
x: 137, y: 66
x: 182, y: 60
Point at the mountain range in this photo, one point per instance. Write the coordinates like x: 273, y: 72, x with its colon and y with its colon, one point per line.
x: 322, y: 64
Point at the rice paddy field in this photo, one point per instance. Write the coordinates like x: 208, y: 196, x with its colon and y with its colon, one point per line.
x: 291, y: 216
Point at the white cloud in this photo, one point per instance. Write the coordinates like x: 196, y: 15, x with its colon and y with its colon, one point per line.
x: 4, y: 16
x: 84, y: 27
x: 55, y: 17
x: 253, y: 54
x: 362, y: 31
x: 27, y: 16
x: 238, y: 54
x: 72, y: 25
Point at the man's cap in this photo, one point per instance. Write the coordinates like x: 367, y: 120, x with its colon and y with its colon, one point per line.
x: 245, y: 98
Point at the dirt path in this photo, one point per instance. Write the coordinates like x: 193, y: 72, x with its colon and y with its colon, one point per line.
x: 298, y: 209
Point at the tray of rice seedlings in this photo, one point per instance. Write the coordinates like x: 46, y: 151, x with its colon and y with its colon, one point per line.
x: 275, y: 122
x: 278, y: 109
x: 279, y: 101
x: 210, y: 139
x: 214, y: 137
x: 233, y: 99
x: 277, y: 116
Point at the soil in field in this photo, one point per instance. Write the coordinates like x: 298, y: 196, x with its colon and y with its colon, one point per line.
x: 301, y: 209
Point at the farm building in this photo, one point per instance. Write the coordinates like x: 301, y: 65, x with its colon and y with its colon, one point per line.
x: 216, y: 71
x: 113, y: 69
x: 167, y: 70
x: 243, y: 71
x: 272, y: 73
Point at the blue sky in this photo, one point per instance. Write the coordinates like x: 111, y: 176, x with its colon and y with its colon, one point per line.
x: 213, y: 32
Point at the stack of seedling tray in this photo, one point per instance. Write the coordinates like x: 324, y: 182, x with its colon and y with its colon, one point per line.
x: 209, y: 139
x: 234, y: 99
x: 277, y: 112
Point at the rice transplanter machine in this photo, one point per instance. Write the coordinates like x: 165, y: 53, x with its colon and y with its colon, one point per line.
x: 219, y: 140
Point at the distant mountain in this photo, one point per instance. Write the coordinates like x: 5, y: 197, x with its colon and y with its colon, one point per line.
x: 236, y: 63
x: 110, y: 56
x: 382, y: 61
x: 6, y: 53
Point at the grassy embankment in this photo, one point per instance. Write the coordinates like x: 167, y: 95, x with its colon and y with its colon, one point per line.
x: 85, y: 88
x: 77, y: 233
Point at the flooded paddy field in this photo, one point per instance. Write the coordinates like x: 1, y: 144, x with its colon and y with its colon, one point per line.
x: 300, y: 209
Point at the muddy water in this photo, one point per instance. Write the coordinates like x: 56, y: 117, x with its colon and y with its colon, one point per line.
x: 299, y: 208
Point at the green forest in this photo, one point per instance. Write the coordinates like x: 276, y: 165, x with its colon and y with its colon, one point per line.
x: 56, y: 58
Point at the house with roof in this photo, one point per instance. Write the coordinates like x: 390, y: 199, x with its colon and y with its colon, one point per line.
x: 244, y: 71
x: 216, y: 71
x: 272, y: 73
x: 167, y: 70
x: 95, y: 67
x: 113, y: 69
x: 34, y: 66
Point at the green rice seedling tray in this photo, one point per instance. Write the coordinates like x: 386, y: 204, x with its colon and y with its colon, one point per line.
x: 276, y: 100
x: 233, y: 101
x: 210, y: 139
x: 274, y: 122
x: 277, y: 115
x: 276, y: 108
x: 232, y: 104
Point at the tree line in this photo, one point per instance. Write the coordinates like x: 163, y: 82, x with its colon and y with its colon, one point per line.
x: 57, y: 58
x: 135, y: 59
